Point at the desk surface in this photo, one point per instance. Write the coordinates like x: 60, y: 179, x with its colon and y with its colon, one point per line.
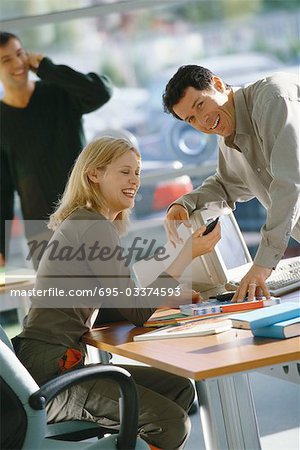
x: 226, y: 404
x: 198, y: 357
x: 16, y: 279
x: 9, y: 301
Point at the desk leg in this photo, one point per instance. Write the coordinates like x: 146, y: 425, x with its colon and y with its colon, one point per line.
x: 104, y: 356
x: 227, y: 413
x: 96, y: 356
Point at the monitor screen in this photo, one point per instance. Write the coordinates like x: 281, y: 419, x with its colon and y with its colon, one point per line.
x: 230, y: 256
x: 231, y: 247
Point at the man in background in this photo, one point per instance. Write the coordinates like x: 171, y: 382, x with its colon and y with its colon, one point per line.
x: 258, y: 157
x: 41, y: 129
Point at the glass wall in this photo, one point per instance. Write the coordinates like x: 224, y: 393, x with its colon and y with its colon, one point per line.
x: 140, y: 49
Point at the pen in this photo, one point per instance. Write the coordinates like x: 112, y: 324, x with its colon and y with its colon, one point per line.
x: 184, y: 326
x: 216, y: 317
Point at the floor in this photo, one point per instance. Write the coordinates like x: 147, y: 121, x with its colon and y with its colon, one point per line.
x: 277, y: 404
x: 278, y: 413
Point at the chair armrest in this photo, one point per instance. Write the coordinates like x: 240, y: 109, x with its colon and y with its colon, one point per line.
x: 128, y: 396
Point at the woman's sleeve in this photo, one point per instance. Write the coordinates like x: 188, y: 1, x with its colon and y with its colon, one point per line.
x: 112, y: 270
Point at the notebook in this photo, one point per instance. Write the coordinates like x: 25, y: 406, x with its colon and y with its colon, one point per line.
x: 186, y: 330
x: 281, y: 330
x: 266, y: 316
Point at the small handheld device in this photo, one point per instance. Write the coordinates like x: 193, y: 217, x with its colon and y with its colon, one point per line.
x: 210, y: 226
x: 225, y: 296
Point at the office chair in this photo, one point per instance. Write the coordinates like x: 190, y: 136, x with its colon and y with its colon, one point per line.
x: 27, y: 404
x: 71, y: 430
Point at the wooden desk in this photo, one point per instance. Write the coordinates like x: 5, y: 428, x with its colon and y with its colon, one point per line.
x: 218, y: 364
x: 24, y: 280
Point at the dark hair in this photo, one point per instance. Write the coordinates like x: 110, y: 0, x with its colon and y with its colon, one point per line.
x: 195, y: 76
x: 5, y: 37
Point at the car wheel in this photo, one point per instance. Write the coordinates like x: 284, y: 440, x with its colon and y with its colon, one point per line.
x: 189, y: 145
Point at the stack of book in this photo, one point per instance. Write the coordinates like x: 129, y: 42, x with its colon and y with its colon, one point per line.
x: 278, y: 321
x: 164, y: 317
x: 202, y: 311
x: 216, y: 307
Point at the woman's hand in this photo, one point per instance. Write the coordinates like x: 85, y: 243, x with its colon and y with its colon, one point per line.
x: 204, y: 244
x: 195, y: 246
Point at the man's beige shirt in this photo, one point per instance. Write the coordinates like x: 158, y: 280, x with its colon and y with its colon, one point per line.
x: 262, y: 160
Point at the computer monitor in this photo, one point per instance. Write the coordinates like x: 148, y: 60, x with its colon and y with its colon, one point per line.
x: 230, y: 259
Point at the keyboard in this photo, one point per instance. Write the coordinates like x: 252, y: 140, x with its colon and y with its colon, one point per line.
x: 284, y: 279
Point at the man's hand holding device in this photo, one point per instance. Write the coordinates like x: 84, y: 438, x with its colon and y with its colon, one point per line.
x: 176, y: 215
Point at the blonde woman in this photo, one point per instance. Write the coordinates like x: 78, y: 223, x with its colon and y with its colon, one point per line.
x: 85, y: 254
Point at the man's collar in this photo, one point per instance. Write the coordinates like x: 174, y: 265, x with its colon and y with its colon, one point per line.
x: 243, y: 121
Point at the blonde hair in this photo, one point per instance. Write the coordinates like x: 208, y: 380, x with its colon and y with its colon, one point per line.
x: 80, y: 191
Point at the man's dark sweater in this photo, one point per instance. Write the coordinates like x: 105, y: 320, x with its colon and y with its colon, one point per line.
x: 39, y: 143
